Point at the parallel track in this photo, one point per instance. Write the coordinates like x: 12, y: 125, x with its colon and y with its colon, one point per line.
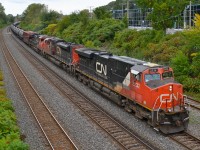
x: 188, y: 141
x: 54, y: 133
x: 121, y: 135
x: 194, y: 103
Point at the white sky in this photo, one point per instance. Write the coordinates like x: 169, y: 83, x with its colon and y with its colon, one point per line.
x: 15, y: 7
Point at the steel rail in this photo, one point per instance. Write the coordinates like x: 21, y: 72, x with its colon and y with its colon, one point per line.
x: 187, y: 140
x: 125, y: 138
x: 53, y: 131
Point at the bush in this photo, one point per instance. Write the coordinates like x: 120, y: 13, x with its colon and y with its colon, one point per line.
x: 12, y: 142
x: 9, y: 131
x: 1, y: 83
x: 180, y: 64
x: 1, y: 76
x: 50, y: 29
x: 2, y: 92
x: 73, y: 33
x: 135, y: 43
x: 192, y: 85
x: 101, y: 31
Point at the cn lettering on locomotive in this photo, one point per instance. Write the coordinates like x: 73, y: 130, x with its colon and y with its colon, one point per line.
x: 147, y: 89
x: 100, y: 68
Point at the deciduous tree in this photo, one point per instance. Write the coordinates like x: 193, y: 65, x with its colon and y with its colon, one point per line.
x: 197, y: 20
x: 2, y: 15
x: 163, y: 11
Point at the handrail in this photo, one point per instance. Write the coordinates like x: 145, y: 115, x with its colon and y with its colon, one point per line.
x: 185, y: 97
x: 156, y: 110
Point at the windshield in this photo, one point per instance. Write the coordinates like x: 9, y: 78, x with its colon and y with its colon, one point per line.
x: 167, y: 75
x: 149, y: 77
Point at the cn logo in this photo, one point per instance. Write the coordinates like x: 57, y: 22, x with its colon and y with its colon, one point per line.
x: 100, y: 68
x: 168, y: 97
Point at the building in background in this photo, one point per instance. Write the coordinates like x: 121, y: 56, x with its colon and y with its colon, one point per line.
x: 138, y: 18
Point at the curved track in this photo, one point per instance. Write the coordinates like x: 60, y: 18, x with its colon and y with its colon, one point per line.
x: 54, y: 133
x: 125, y: 138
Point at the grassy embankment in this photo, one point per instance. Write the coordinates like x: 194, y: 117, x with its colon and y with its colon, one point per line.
x: 9, y: 131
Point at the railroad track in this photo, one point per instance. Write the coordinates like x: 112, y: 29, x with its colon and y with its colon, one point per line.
x: 120, y: 134
x: 193, y: 103
x: 54, y: 133
x: 186, y: 140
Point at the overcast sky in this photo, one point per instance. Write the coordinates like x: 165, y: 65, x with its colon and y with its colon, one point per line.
x: 15, y: 7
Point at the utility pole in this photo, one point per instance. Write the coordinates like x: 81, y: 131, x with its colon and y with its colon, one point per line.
x: 190, y: 17
x: 184, y: 18
x: 91, y: 13
x: 122, y: 10
x: 128, y: 11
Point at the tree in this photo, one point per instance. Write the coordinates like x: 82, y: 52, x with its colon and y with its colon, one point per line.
x: 84, y: 17
x: 180, y: 64
x: 102, y: 13
x: 50, y: 17
x: 163, y: 11
x: 31, y: 17
x: 197, y: 20
x: 10, y: 18
x: 2, y: 16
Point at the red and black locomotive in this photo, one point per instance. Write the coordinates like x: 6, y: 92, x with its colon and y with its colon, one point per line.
x: 147, y: 89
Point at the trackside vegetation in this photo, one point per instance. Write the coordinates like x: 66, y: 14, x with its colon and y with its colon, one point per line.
x: 9, y: 131
x: 99, y: 30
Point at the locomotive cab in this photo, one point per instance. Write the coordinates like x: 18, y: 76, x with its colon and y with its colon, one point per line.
x: 147, y: 89
x: 165, y: 98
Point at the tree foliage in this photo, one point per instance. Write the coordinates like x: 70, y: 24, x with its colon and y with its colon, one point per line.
x: 197, y: 20
x: 163, y: 11
x: 134, y: 43
x: 96, y: 31
x: 37, y: 16
x: 75, y: 17
x: 102, y: 13
x: 31, y: 17
x: 50, y: 17
x: 2, y: 16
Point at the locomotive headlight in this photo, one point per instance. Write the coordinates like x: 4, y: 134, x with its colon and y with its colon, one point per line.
x: 169, y: 110
x: 170, y: 88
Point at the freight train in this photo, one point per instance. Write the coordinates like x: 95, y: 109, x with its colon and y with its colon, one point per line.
x: 146, y: 89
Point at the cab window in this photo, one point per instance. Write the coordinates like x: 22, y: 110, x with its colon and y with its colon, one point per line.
x: 149, y: 77
x: 137, y: 77
x: 167, y: 75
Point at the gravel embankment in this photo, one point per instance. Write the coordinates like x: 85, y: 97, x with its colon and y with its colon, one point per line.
x: 75, y: 122
x: 81, y: 130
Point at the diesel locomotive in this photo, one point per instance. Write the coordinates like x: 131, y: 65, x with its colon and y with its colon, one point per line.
x: 146, y: 89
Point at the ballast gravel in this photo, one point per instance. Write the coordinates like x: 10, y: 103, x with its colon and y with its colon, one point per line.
x: 28, y: 127
x: 80, y: 129
x: 85, y: 133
